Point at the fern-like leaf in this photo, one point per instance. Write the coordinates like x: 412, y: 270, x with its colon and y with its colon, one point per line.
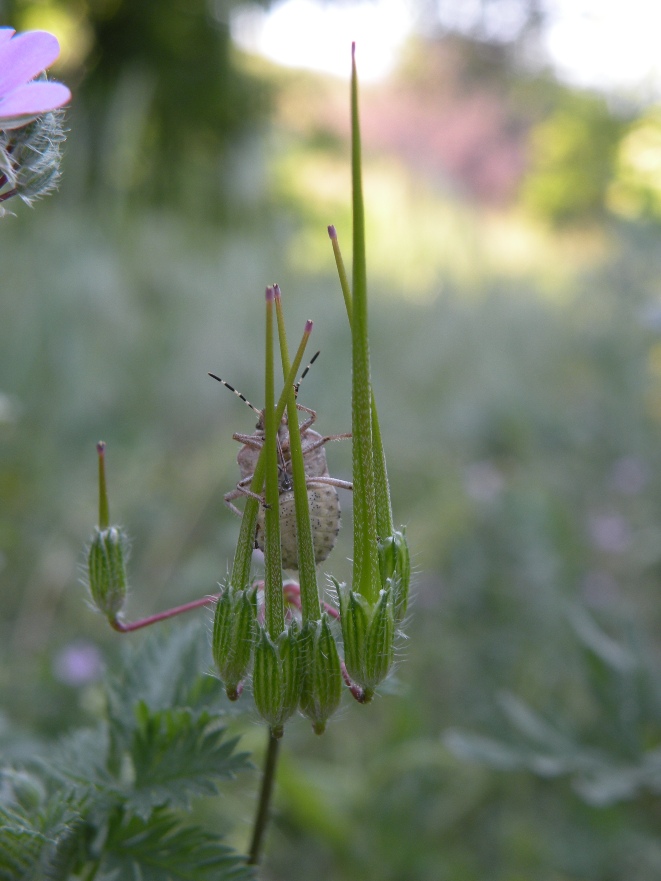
x: 177, y: 754
x: 162, y: 849
x: 164, y: 670
x: 42, y: 846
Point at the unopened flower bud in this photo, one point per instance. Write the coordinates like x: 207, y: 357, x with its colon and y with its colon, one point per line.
x: 30, y: 157
x: 106, y: 570
x: 233, y: 629
x: 277, y: 678
x: 395, y: 565
x: 322, y: 678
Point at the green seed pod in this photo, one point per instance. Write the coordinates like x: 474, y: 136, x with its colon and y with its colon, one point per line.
x: 289, y: 648
x: 277, y: 678
x: 322, y: 679
x: 379, y: 648
x: 267, y: 681
x: 395, y: 565
x: 354, y: 618
x: 233, y: 628
x: 107, y: 571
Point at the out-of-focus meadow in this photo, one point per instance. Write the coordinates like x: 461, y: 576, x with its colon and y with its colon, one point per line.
x: 515, y: 283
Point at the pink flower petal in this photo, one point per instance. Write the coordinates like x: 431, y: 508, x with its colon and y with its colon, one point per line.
x: 25, y: 56
x: 31, y: 100
x: 6, y: 34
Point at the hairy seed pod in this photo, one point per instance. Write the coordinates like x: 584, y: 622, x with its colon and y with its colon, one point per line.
x: 277, y: 677
x: 395, y: 567
x: 368, y: 633
x: 379, y: 648
x: 322, y: 675
x: 233, y: 628
x: 106, y: 570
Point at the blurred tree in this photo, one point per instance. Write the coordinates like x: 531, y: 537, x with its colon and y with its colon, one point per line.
x: 489, y: 21
x: 636, y: 190
x: 573, y: 153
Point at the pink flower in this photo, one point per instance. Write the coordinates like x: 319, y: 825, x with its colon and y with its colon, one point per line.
x: 22, y: 58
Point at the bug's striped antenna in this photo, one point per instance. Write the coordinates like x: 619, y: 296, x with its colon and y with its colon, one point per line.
x: 237, y: 393
x: 305, y: 373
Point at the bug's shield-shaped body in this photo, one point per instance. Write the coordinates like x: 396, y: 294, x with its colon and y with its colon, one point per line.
x: 323, y: 500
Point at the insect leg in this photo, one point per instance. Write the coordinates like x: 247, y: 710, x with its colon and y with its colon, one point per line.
x: 241, y: 491
x: 312, y: 415
x: 329, y: 481
x: 324, y: 440
x: 255, y: 443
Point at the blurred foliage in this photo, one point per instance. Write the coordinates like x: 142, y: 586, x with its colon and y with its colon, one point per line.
x: 573, y: 156
x: 635, y: 191
x: 519, y: 386
x: 612, y: 753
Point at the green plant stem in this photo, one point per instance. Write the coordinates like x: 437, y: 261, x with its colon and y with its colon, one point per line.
x: 90, y: 873
x: 263, y: 807
x: 384, y: 521
x: 342, y: 272
x: 365, y: 558
x: 104, y: 513
x: 130, y: 626
x: 274, y: 607
x: 306, y: 563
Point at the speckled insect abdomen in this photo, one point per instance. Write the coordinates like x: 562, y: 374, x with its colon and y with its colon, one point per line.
x: 324, y: 505
x: 323, y: 501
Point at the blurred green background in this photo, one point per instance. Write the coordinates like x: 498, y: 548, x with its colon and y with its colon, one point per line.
x: 515, y: 282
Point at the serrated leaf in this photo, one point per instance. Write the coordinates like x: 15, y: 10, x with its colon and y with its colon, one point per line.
x: 160, y: 849
x: 43, y: 846
x: 20, y: 850
x: 177, y: 754
x: 165, y: 670
x: 79, y: 761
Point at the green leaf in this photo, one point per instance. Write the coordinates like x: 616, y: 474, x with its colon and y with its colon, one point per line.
x: 165, y: 670
x: 160, y: 849
x: 43, y: 846
x: 79, y: 761
x: 177, y: 754
x: 483, y: 750
x: 592, y: 637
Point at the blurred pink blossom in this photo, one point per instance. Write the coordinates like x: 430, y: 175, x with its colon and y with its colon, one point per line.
x: 610, y: 532
x: 22, y: 58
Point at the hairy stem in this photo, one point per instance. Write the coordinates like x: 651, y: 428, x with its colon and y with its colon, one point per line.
x: 130, y: 626
x: 263, y: 807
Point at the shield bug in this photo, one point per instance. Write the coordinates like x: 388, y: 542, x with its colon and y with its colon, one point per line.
x: 323, y: 500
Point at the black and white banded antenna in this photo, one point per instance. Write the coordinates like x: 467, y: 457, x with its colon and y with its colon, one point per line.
x: 305, y: 373
x: 237, y: 393
x: 246, y: 401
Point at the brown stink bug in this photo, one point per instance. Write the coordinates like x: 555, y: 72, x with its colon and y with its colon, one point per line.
x: 323, y: 500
